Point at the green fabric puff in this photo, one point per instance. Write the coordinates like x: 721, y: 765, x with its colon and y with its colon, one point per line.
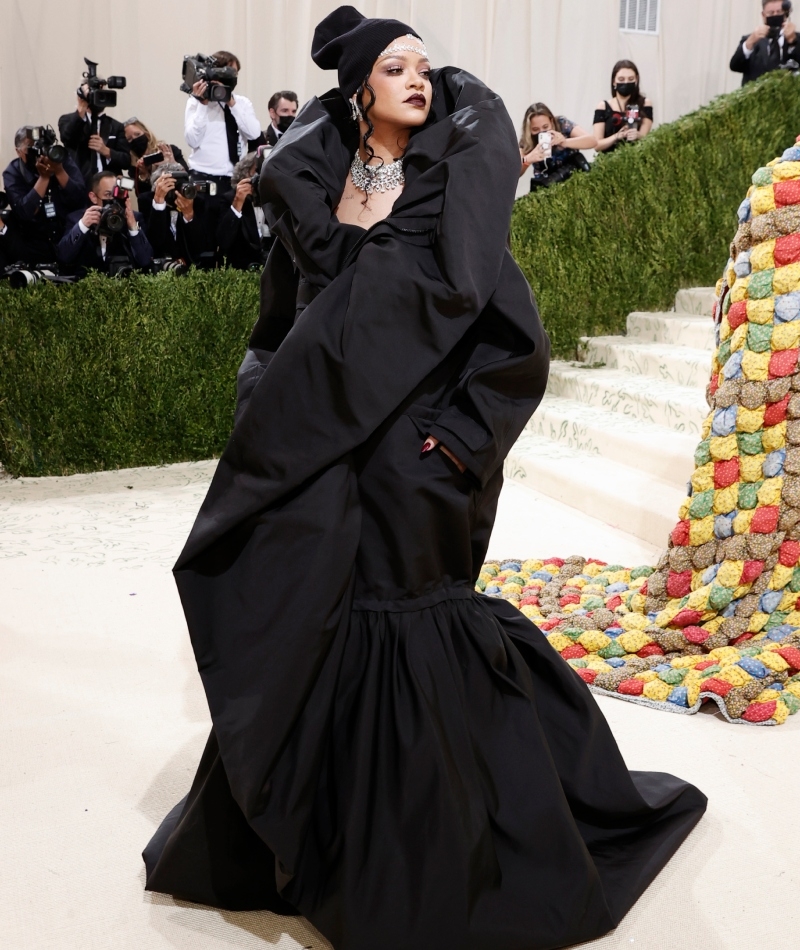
x: 748, y: 495
x: 760, y: 286
x: 759, y: 337
x: 749, y: 443
x: 702, y: 504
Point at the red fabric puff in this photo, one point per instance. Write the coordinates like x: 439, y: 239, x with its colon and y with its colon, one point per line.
x: 714, y: 384
x: 776, y: 412
x: 574, y: 652
x: 751, y: 571
x: 548, y: 625
x: 554, y: 560
x: 652, y: 649
x: 679, y: 585
x: 643, y: 589
x: 704, y: 665
x: 713, y: 685
x: 765, y: 520
x: 760, y: 712
x: 680, y: 534
x: 782, y: 362
x: 588, y: 676
x: 742, y: 639
x: 787, y: 250
x: 737, y: 315
x: 615, y: 602
x: 570, y: 599
x: 787, y: 193
x: 529, y: 602
x: 696, y: 634
x: 686, y: 618
x: 593, y: 560
x: 791, y: 655
x: 631, y: 688
x: 726, y: 473
x: 789, y: 553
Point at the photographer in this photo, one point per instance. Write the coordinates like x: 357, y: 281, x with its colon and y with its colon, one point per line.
x: 95, y: 241
x: 770, y: 46
x: 242, y: 233
x: 551, y: 146
x: 282, y: 111
x: 41, y: 193
x: 629, y: 116
x: 145, y: 151
x: 218, y: 132
x: 96, y: 140
x: 179, y: 227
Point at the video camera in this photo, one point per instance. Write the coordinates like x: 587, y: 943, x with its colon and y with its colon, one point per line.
x: 45, y: 144
x: 100, y: 95
x: 206, y: 69
x: 187, y: 187
x: 775, y: 23
x: 112, y: 217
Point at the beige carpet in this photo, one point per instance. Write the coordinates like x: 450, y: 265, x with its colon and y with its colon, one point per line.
x: 102, y: 720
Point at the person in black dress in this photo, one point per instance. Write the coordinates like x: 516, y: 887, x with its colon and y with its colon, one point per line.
x: 628, y: 117
x: 405, y: 762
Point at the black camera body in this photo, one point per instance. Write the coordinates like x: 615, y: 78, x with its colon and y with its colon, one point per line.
x: 21, y: 275
x: 169, y: 265
x: 46, y: 144
x: 102, y: 92
x: 187, y: 187
x: 112, y: 218
x: 206, y: 69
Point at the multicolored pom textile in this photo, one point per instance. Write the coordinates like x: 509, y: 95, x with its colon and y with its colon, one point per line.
x: 719, y: 617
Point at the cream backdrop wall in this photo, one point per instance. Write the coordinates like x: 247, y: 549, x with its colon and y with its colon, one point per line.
x: 558, y: 51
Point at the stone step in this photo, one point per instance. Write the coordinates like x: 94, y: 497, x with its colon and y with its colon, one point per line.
x: 662, y: 403
x: 677, y: 329
x: 651, y: 449
x: 683, y: 365
x: 698, y: 300
x: 628, y: 499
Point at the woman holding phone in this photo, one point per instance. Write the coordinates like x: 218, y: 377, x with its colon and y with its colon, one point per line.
x: 146, y: 148
x: 551, y: 146
x: 629, y: 115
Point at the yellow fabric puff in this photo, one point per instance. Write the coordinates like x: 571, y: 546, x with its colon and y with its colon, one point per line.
x: 770, y: 492
x: 785, y: 171
x: 786, y: 336
x: 739, y: 337
x: 530, y: 612
x: 734, y: 675
x: 592, y: 569
x: 702, y: 531
x: 633, y: 641
x: 755, y: 366
x: 787, y: 601
x: 767, y: 695
x: 683, y: 511
x: 786, y: 279
x: 697, y: 580
x: 559, y: 641
x: 646, y: 676
x: 692, y: 693
x: 793, y: 619
x: 570, y: 608
x: 593, y: 640
x: 741, y: 591
x: 705, y: 429
x: 757, y: 622
x: 774, y: 438
x: 724, y: 330
x: 763, y: 256
x: 723, y: 447
x: 741, y: 523
x: 773, y: 661
x: 730, y: 571
x: 781, y: 713
x: 762, y: 199
x: 686, y: 662
x: 698, y: 599
x: 634, y: 622
x: 749, y: 420
x: 739, y: 289
x: 714, y: 624
x: 723, y: 655
x: 657, y: 690
x: 703, y: 477
x: 761, y: 311
x: 794, y: 689
x: 781, y: 576
x: 751, y: 467
x: 532, y: 565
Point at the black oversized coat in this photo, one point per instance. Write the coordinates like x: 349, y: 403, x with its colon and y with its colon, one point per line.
x: 406, y: 762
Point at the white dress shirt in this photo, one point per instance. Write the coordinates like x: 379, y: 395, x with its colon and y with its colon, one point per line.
x: 103, y: 237
x: 205, y: 133
x: 749, y: 52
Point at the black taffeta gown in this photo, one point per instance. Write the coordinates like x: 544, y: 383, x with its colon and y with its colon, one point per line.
x: 402, y: 760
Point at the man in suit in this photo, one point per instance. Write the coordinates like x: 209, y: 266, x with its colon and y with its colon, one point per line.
x: 770, y: 45
x: 96, y: 140
x: 179, y: 227
x: 41, y: 193
x: 241, y: 228
x: 87, y: 246
x: 282, y: 110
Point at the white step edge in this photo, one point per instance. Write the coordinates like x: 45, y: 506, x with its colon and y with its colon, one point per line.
x: 651, y: 449
x: 698, y: 300
x: 683, y: 365
x: 622, y: 497
x: 662, y: 403
x: 677, y: 329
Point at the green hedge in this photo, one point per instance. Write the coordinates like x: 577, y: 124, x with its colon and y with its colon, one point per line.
x: 111, y: 373
x: 651, y: 218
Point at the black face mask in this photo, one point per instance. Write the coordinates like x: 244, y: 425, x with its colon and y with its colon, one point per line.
x: 284, y: 121
x: 30, y: 160
x: 626, y: 88
x: 139, y: 145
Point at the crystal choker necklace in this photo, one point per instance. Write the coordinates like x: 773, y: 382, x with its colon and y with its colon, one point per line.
x: 369, y: 178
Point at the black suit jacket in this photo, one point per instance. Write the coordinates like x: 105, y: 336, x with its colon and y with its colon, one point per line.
x: 75, y: 133
x: 238, y: 238
x: 270, y: 135
x: 761, y: 60
x: 79, y: 252
x: 191, y: 239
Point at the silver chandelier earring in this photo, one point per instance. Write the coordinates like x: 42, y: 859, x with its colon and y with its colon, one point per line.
x: 355, y: 110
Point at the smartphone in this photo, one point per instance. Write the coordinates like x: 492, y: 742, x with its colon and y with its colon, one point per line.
x: 152, y: 158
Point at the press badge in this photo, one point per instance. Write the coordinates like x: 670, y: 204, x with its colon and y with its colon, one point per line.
x: 49, y: 209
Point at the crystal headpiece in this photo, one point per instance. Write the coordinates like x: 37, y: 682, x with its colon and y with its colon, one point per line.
x: 417, y: 47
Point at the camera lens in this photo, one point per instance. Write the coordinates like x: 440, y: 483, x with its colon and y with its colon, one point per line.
x: 189, y: 190
x: 57, y: 154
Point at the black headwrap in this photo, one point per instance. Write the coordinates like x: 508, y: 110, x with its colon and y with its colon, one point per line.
x: 348, y: 41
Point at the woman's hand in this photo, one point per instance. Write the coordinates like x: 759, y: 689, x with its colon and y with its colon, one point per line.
x: 558, y: 139
x: 430, y: 444
x: 537, y: 155
x: 633, y: 135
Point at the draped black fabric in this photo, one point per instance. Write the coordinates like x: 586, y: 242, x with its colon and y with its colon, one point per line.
x: 405, y: 762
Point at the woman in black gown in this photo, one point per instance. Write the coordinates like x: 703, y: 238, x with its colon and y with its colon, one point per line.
x: 404, y: 761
